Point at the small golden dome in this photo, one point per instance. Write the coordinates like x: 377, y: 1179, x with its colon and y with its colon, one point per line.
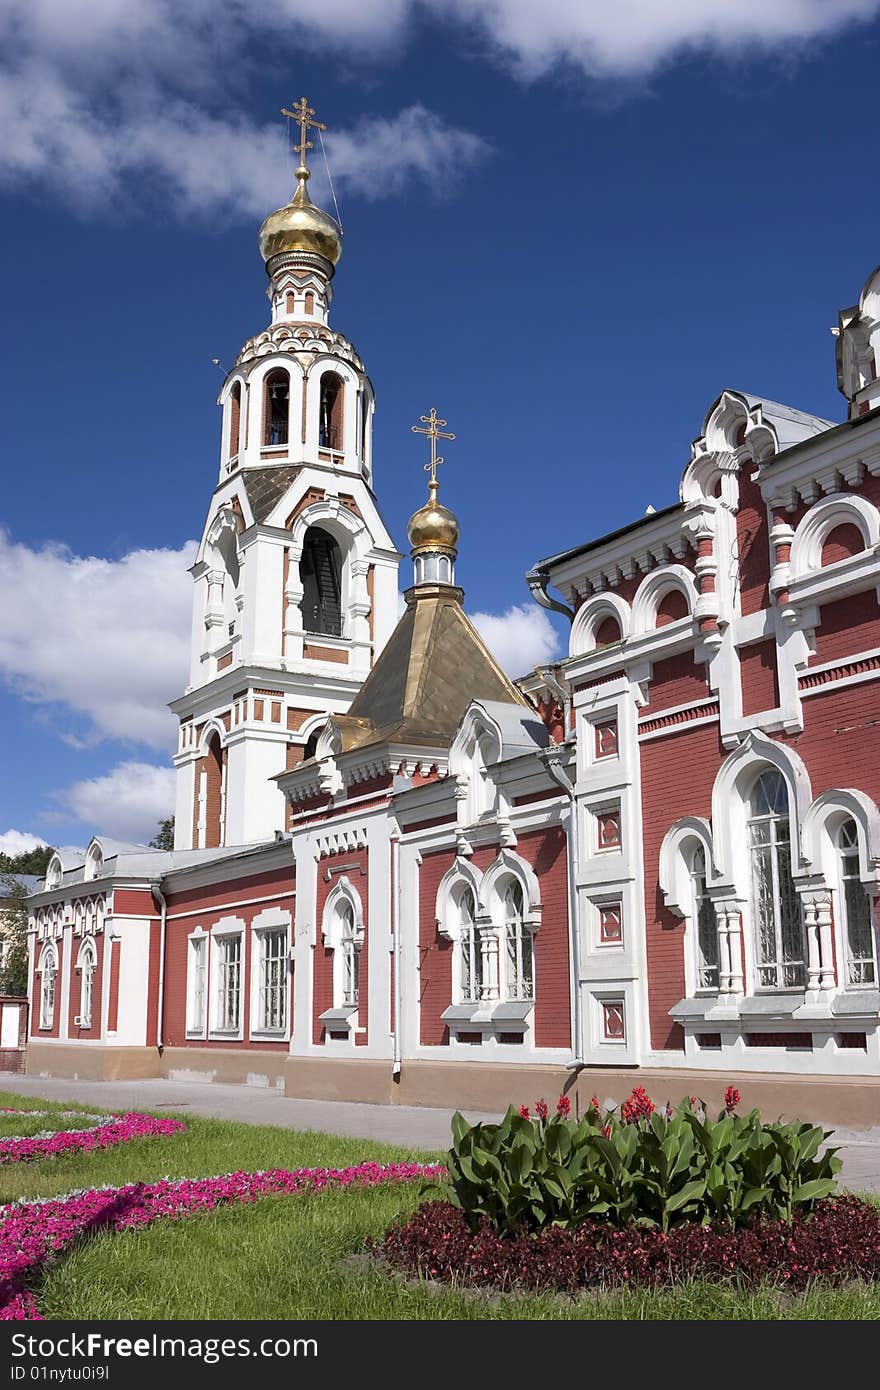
x: 433, y: 526
x: 300, y: 226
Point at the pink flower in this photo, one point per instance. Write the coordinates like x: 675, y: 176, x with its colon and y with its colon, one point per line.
x: 541, y: 1109
x: 563, y: 1107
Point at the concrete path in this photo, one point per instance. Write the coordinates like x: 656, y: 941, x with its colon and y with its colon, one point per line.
x: 409, y: 1126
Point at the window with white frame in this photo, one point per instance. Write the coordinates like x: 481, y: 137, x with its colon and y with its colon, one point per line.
x: 469, y: 946
x: 196, y: 991
x: 227, y: 955
x: 857, y: 925
x: 776, y: 914
x: 349, y: 954
x: 518, y: 944
x: 48, y: 973
x: 86, y: 963
x: 705, y: 924
x: 272, y: 976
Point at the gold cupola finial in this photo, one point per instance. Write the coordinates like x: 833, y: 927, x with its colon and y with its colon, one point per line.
x: 433, y: 529
x: 300, y: 225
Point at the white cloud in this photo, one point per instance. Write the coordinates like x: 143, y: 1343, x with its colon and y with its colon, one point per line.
x: 15, y: 842
x: 520, y: 638
x: 106, y: 639
x: 126, y: 803
x: 98, y: 99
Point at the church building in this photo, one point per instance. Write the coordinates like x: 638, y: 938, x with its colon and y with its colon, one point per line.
x: 401, y: 876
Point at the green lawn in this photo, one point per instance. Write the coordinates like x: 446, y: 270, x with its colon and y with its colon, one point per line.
x: 291, y: 1257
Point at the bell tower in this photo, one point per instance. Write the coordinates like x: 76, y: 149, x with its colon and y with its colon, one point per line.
x: 295, y: 580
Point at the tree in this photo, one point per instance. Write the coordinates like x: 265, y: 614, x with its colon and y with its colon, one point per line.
x: 14, y: 926
x: 32, y: 861
x: 164, y: 836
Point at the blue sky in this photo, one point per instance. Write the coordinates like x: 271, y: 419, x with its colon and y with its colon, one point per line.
x: 567, y: 230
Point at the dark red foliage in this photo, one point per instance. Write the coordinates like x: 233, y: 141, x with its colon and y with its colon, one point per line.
x: 837, y: 1242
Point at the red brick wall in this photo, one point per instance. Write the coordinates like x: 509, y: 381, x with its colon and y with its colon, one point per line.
x: 847, y: 626
x: 672, y: 606
x: 760, y: 684
x: 54, y: 1031
x: 753, y: 545
x: 75, y: 986
x: 677, y: 777
x: 545, y: 851
x: 205, y: 906
x: 435, y: 952
x: 322, y: 958
x: 676, y: 681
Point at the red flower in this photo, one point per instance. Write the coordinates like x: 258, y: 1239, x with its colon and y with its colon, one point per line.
x: 639, y: 1106
x: 524, y: 1111
x: 563, y: 1106
x: 594, y: 1102
x: 731, y: 1099
x: 542, y: 1110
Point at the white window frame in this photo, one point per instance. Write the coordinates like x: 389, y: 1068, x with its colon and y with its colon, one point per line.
x: 515, y: 931
x: 87, y: 965
x: 223, y: 932
x: 469, y: 946
x: 702, y: 900
x: 772, y: 820
x: 344, y: 895
x: 271, y: 922
x: 198, y: 941
x: 48, y: 967
x: 850, y: 964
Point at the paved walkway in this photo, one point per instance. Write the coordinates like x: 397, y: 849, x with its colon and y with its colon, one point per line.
x: 409, y: 1126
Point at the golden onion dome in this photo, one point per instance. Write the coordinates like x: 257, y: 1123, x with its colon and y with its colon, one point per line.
x: 301, y: 226
x: 433, y: 526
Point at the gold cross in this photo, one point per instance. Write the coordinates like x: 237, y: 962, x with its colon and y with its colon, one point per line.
x: 302, y: 113
x: 434, y: 432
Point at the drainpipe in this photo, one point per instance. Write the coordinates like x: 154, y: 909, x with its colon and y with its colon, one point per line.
x: 562, y: 693
x: 159, y: 897
x: 396, y: 1063
x: 537, y: 580
x: 551, y: 758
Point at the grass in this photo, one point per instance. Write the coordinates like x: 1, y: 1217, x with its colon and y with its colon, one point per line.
x: 292, y: 1257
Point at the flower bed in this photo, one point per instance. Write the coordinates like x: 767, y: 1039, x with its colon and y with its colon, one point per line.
x: 119, y: 1129
x: 32, y: 1233
x: 837, y: 1242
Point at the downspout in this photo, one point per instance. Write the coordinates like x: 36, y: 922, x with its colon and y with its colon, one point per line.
x: 562, y: 693
x: 159, y: 897
x: 537, y: 580
x: 396, y: 1060
x: 550, y: 758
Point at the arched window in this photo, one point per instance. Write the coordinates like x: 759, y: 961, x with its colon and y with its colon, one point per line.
x: 470, y: 948
x: 776, y: 915
x: 705, y: 923
x: 518, y: 945
x: 234, y: 420
x: 320, y: 572
x: 48, y: 972
x: 330, y: 417
x: 857, y: 918
x: 276, y: 410
x: 290, y: 302
x: 310, y: 302
x: 214, y: 793
x: 311, y: 745
x: 349, y: 954
x: 86, y: 965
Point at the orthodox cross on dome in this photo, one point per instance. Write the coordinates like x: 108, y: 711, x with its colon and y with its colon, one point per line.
x: 303, y: 114
x: 434, y: 430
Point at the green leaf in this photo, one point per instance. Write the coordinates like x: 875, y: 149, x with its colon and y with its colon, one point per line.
x: 811, y: 1191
